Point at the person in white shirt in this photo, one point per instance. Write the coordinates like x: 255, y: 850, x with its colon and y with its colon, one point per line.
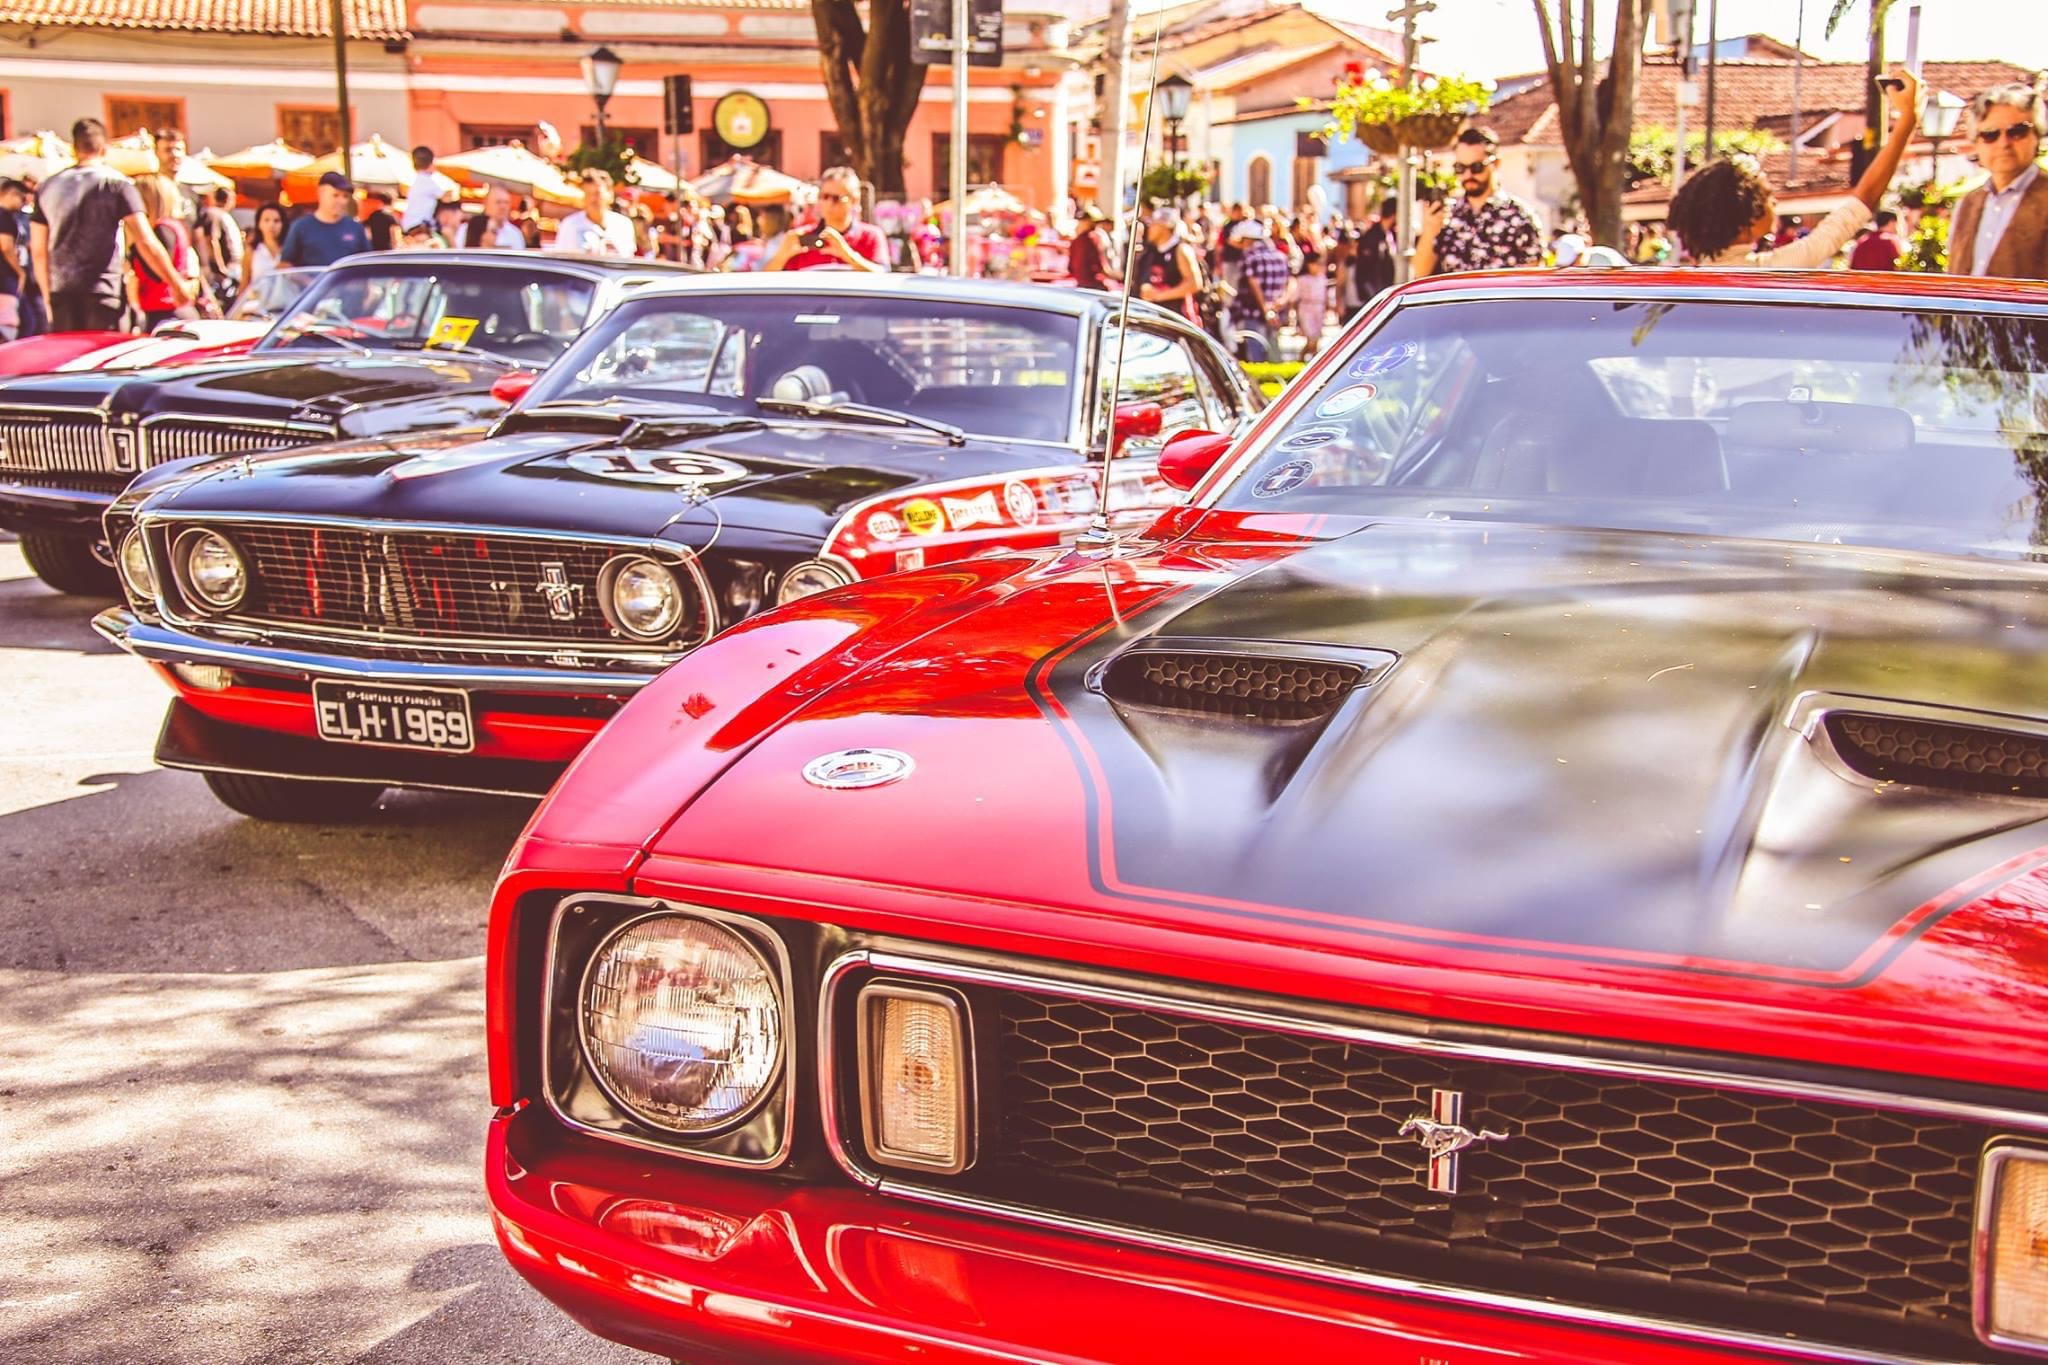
x: 429, y: 188
x: 1726, y: 208
x: 494, y: 226
x: 596, y: 227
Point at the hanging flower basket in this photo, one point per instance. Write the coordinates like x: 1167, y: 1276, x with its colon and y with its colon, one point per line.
x: 1380, y: 137
x: 1428, y: 132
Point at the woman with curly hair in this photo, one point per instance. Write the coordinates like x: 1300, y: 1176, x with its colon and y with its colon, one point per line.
x: 1724, y: 209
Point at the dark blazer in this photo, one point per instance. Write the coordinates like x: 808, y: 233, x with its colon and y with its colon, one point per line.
x: 2021, y: 254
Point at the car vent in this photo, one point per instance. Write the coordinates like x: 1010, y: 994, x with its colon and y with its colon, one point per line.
x: 1933, y: 754
x: 1259, y: 687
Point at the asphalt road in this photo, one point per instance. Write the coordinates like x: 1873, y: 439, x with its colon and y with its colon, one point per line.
x: 241, y: 1065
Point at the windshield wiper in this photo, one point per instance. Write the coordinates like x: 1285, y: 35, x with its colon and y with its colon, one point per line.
x: 862, y: 412
x: 325, y: 330
x: 461, y: 348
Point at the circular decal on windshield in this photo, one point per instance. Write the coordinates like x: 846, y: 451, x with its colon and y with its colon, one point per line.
x: 1020, y: 502
x: 1345, y: 401
x: 1308, y: 438
x: 1385, y: 360
x: 923, y: 517
x: 675, y: 470
x: 1284, y: 479
x: 884, y: 527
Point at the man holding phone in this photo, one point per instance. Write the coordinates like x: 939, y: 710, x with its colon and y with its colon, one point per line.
x: 1485, y: 229
x: 839, y: 241
x: 2001, y: 226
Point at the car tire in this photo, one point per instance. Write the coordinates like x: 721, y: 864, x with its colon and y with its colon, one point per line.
x: 294, y: 800
x: 68, y: 564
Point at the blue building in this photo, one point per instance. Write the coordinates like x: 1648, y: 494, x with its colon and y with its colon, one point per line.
x: 1275, y: 157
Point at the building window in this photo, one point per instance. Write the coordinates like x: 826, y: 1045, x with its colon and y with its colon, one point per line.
x: 6, y: 114
x: 1304, y: 176
x: 645, y: 142
x: 715, y: 150
x: 832, y: 150
x: 475, y: 135
x: 1258, y: 181
x: 131, y: 113
x: 984, y: 160
x: 310, y: 127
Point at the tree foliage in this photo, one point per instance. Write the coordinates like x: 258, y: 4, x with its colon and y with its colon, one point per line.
x: 1652, y: 151
x: 871, y: 82
x: 1594, y: 113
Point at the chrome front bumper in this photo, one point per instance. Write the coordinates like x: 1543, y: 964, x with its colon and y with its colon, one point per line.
x: 168, y: 645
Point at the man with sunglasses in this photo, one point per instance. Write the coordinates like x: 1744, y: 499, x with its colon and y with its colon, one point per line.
x: 2001, y: 226
x: 1484, y: 229
x: 839, y: 241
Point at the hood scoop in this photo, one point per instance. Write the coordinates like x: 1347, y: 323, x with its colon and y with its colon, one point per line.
x: 1928, y: 753
x: 1276, y: 684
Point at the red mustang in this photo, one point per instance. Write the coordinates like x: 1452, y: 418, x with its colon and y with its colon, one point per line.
x: 1544, y: 858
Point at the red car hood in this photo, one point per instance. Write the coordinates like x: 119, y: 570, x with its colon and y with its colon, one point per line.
x: 1589, y: 787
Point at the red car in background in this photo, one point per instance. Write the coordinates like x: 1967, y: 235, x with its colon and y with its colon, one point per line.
x: 1544, y: 858
x: 175, y: 342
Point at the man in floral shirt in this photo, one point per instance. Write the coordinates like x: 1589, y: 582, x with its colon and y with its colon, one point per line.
x: 1483, y: 230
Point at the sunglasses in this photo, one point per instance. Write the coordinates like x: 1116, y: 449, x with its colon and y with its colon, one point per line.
x: 2012, y: 132
x: 1471, y: 167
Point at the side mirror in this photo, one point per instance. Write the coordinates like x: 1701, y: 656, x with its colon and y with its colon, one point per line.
x: 1189, y: 455
x: 512, y: 387
x: 1134, y: 420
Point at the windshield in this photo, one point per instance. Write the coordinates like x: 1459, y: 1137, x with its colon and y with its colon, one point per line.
x: 1784, y: 421
x: 527, y: 316
x: 1001, y: 372
x: 272, y: 294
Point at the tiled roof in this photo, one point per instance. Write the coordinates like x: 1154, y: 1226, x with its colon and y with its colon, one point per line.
x: 1744, y: 92
x: 372, y: 19
x: 1242, y: 68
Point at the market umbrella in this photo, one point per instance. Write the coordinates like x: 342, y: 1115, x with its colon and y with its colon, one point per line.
x: 652, y: 175
x: 375, y: 164
x: 34, y: 156
x: 987, y: 201
x: 741, y: 181
x: 134, y: 154
x: 197, y: 174
x: 514, y: 167
x: 264, y: 161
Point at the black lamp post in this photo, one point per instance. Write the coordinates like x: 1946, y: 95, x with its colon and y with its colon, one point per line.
x: 1176, y: 93
x: 601, y: 74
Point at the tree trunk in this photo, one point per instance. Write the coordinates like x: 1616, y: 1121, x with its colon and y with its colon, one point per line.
x: 1595, y: 128
x: 871, y: 84
x: 1113, y: 108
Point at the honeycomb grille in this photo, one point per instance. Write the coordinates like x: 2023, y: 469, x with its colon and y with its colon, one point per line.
x: 1232, y: 684
x: 1603, y: 1188
x: 1928, y: 753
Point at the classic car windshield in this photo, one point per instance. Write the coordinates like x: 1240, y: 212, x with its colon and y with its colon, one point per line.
x: 275, y: 292
x: 527, y: 316
x: 994, y: 371
x: 1914, y: 429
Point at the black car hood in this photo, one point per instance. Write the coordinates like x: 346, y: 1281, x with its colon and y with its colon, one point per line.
x: 305, y: 386
x: 791, y: 478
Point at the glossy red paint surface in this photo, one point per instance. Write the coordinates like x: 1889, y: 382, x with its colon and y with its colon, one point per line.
x: 93, y: 350
x: 41, y: 354
x: 500, y: 733
x: 716, y: 1267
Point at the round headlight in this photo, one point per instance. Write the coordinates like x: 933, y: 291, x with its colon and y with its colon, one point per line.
x: 682, y: 1023
x: 811, y: 576
x: 135, y: 570
x: 213, y: 569
x: 646, y: 600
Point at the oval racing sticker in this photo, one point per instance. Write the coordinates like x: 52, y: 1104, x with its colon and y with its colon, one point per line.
x: 703, y: 471
x: 1308, y: 438
x: 1385, y: 360
x: 923, y: 517
x: 1020, y: 502
x: 1345, y: 401
x: 1284, y: 479
x: 884, y: 527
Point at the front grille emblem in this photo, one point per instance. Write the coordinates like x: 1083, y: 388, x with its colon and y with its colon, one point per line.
x: 1443, y: 1134
x: 560, y: 593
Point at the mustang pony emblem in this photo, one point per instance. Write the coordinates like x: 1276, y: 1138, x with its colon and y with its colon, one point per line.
x: 560, y: 593
x: 1443, y: 1135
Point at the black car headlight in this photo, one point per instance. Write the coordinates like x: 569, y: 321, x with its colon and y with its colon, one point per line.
x: 670, y: 1026
x: 136, y: 574
x: 641, y: 598
x: 811, y: 576
x: 210, y: 570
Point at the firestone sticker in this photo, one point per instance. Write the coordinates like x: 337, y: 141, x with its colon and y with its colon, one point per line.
x: 1385, y: 360
x: 979, y: 510
x: 1021, y: 503
x: 884, y: 526
x: 1346, y: 401
x: 923, y: 517
x: 1308, y: 438
x: 1284, y: 478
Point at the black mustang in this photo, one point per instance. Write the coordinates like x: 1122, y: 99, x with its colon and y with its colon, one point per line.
x: 382, y: 344
x: 464, y: 609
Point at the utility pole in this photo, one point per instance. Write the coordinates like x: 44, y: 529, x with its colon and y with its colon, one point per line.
x: 1713, y: 59
x: 1798, y: 59
x: 1411, y: 48
x: 962, y: 36
x: 348, y: 136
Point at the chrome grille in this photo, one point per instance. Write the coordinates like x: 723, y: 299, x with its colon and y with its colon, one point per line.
x: 1714, y: 1202
x: 178, y: 437
x: 429, y: 585
x: 59, y: 444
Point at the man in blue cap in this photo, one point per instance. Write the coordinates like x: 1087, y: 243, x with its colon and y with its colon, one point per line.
x: 331, y: 231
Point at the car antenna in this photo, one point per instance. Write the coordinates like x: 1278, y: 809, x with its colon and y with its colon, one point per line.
x: 1099, y: 536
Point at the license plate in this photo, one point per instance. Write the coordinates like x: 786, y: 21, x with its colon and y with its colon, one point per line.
x: 394, y: 717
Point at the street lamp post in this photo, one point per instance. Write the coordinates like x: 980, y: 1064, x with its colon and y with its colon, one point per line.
x: 601, y: 74
x: 1939, y: 123
x: 1176, y: 94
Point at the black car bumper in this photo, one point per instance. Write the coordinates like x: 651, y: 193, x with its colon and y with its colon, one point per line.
x: 30, y: 509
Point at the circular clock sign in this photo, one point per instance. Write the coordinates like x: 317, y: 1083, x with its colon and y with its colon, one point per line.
x: 741, y: 119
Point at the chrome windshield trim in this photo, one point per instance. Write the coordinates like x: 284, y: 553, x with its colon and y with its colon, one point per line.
x: 1262, y: 1012
x: 163, y: 644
